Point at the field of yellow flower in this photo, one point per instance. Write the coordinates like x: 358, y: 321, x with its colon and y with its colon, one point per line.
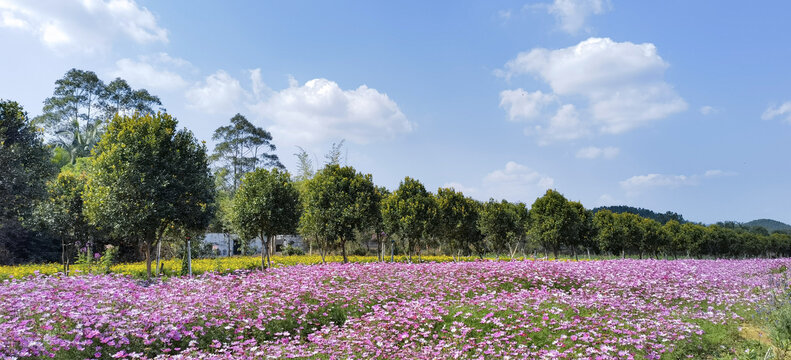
x: 172, y: 267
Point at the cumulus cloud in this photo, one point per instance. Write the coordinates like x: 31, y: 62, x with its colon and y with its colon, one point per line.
x: 82, y: 26
x: 571, y: 15
x: 514, y: 182
x: 622, y: 84
x: 523, y: 105
x: 154, y: 72
x: 564, y: 125
x: 320, y: 109
x: 219, y: 93
x: 782, y: 111
x: 304, y: 114
x: 593, y: 152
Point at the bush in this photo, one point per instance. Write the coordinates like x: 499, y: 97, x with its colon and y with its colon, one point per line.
x: 291, y: 250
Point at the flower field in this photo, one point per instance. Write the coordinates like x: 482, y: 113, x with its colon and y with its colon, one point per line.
x: 623, y: 309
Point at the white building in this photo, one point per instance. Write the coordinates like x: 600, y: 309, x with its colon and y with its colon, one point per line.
x: 219, y: 243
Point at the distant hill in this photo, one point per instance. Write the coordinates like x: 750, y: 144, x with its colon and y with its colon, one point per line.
x: 769, y: 224
x: 660, y: 217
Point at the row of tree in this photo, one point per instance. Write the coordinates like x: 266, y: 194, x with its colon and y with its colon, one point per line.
x: 145, y: 182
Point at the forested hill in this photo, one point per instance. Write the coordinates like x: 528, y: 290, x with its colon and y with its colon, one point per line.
x: 769, y: 224
x: 660, y: 217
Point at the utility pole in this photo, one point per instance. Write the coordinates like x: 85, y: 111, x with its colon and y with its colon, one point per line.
x: 189, y: 255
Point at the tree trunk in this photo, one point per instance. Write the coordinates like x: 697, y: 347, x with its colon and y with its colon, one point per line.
x: 147, y: 244
x: 264, y: 249
x: 63, y: 257
x: 343, y: 251
x: 555, y: 252
x: 270, y: 241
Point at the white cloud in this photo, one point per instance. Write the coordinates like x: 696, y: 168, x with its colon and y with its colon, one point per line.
x: 7, y: 19
x: 593, y: 152
x: 607, y: 200
x: 152, y: 72
x: 572, y: 14
x: 564, y: 125
x: 320, y: 110
x: 82, y: 26
x: 504, y: 14
x: 622, y: 82
x: 708, y: 110
x: 219, y: 93
x: 783, y: 110
x: 516, y: 182
x: 467, y: 191
x: 521, y: 104
x: 638, y: 183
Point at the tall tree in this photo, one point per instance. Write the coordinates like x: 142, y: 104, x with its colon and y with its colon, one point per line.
x: 586, y: 231
x: 553, y: 222
x: 243, y: 147
x: 339, y: 201
x: 408, y: 213
x: 119, y: 98
x: 501, y: 224
x: 24, y: 169
x: 72, y: 116
x: 609, y: 236
x: 633, y: 233
x: 266, y: 205
x: 146, y: 177
x: 458, y: 221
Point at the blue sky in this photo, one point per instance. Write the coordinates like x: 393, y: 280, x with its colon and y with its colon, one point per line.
x: 668, y: 105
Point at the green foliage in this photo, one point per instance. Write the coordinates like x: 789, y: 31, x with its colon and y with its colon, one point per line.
x: 409, y: 213
x: 554, y: 222
x: 661, y: 217
x: 25, y: 167
x: 337, y: 202
x: 266, y: 204
x: 502, y: 225
x: 80, y: 106
x: 147, y: 176
x: 457, y: 221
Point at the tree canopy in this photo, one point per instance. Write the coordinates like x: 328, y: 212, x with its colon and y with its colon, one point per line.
x: 147, y: 176
x: 266, y: 204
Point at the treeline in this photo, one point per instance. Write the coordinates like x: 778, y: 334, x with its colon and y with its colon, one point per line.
x: 661, y: 217
x: 101, y: 170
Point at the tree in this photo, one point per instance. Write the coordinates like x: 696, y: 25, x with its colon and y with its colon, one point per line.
x: 553, y: 222
x: 243, y: 147
x: 632, y: 230
x: 500, y: 223
x: 586, y: 232
x: 63, y: 212
x: 458, y: 221
x: 148, y: 176
x: 81, y: 104
x: 654, y: 237
x: 119, y: 98
x: 24, y: 169
x: 675, y: 237
x: 608, y: 235
x: 266, y: 205
x: 338, y: 201
x: 408, y: 213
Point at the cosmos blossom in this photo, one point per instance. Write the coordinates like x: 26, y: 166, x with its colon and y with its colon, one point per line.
x: 617, y: 309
